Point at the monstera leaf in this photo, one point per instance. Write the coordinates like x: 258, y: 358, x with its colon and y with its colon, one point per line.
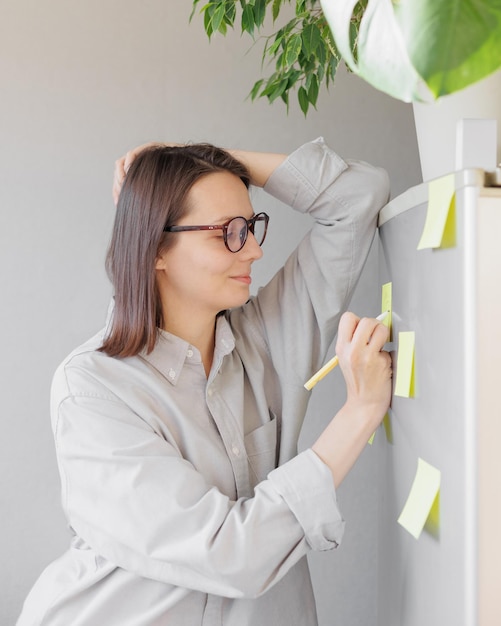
x: 419, y: 49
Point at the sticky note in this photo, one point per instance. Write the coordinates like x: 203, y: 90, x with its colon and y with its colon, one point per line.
x: 440, y: 225
x: 388, y: 428
x: 421, y: 499
x: 404, y: 382
x: 386, y: 306
x: 432, y: 524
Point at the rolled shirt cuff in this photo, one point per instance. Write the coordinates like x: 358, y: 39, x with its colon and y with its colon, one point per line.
x: 306, y: 485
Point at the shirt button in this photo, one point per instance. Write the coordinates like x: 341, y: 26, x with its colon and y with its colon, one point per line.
x: 236, y: 450
x: 210, y: 392
x: 190, y: 353
x: 172, y: 374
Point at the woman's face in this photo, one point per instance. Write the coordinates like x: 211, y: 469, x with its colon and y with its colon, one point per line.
x: 198, y: 274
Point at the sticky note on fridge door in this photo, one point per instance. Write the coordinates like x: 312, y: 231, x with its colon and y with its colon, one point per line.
x: 440, y: 225
x: 388, y: 428
x: 404, y: 380
x: 423, y: 497
x: 386, y: 306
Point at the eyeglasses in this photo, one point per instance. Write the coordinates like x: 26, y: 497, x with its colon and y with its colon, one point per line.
x: 235, y: 231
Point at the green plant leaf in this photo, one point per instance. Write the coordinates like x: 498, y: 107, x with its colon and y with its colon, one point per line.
x: 259, y: 12
x: 230, y: 13
x: 332, y: 66
x: 418, y: 49
x: 302, y: 97
x: 293, y: 49
x: 276, y: 90
x: 208, y: 20
x: 300, y: 6
x: 276, y: 8
x: 248, y: 19
x: 275, y: 46
x: 193, y: 9
x: 312, y: 90
x: 292, y: 77
x: 382, y: 59
x: 255, y: 89
x: 452, y: 43
x: 322, y: 52
x: 320, y: 73
x: 310, y: 39
x: 218, y: 17
x: 285, y: 98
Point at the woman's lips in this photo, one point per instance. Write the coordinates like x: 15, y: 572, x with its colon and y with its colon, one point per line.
x: 243, y: 279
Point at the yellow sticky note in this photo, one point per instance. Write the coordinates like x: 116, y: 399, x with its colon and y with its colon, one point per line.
x: 440, y: 225
x: 404, y: 382
x: 432, y: 525
x: 421, y: 499
x: 387, y: 428
x: 386, y: 306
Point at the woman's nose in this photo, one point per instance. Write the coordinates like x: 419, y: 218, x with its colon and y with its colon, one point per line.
x: 252, y: 248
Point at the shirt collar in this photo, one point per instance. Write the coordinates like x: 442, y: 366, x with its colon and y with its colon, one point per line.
x: 225, y: 341
x: 171, y: 352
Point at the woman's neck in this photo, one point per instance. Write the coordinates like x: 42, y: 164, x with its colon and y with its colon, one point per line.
x: 199, y: 333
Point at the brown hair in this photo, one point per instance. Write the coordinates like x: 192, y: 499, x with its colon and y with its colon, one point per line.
x: 154, y: 195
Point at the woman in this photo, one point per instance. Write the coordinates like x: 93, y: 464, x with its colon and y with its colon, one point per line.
x: 176, y: 428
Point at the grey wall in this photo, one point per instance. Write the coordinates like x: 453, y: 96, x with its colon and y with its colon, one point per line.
x: 82, y: 82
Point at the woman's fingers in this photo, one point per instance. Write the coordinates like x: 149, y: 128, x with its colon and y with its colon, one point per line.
x: 347, y: 327
x: 380, y: 335
x: 366, y: 367
x: 123, y: 163
x: 362, y: 331
x: 118, y: 178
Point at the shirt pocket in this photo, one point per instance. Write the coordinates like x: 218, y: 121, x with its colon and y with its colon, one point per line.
x: 261, y: 448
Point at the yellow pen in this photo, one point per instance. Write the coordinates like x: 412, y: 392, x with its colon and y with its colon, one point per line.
x: 330, y: 365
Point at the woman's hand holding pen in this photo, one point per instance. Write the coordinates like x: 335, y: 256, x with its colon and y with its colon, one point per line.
x: 367, y: 372
x: 366, y: 367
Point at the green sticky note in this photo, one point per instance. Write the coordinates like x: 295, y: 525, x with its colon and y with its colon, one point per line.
x: 372, y: 438
x: 421, y: 500
x: 404, y: 382
x: 440, y: 225
x: 386, y: 306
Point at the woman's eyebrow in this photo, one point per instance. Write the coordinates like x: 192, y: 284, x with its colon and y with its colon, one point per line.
x: 227, y: 218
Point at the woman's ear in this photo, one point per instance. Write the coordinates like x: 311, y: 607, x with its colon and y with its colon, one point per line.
x: 160, y: 262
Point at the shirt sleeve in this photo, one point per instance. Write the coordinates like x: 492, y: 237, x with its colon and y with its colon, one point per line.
x: 298, y: 311
x: 129, y: 494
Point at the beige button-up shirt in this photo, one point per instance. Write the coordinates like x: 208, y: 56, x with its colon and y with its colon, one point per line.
x: 186, y: 497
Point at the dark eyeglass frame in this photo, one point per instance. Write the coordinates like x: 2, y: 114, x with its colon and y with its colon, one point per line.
x: 224, y: 227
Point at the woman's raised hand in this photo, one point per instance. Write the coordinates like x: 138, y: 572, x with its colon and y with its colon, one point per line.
x: 260, y: 164
x: 123, y: 163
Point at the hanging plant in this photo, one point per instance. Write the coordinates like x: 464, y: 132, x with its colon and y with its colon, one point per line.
x: 410, y: 49
x: 300, y: 47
